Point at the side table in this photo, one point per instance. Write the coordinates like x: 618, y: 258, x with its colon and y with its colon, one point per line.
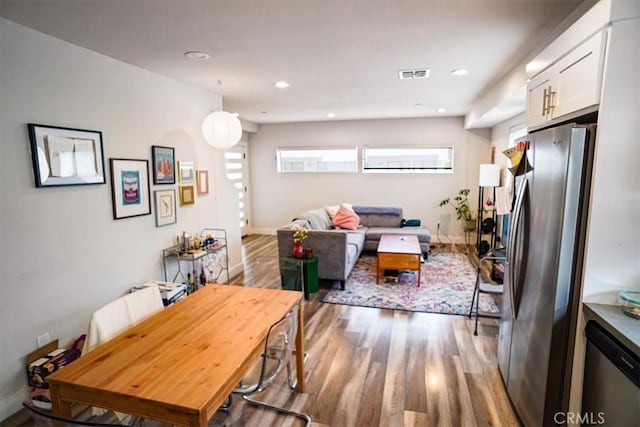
x: 299, y: 274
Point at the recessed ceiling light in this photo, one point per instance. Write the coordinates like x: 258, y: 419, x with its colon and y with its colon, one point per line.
x: 331, y: 115
x: 281, y: 84
x: 459, y: 72
x: 194, y: 54
x: 263, y: 112
x: 441, y: 110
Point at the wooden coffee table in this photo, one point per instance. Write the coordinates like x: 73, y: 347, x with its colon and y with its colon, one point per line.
x: 398, y: 252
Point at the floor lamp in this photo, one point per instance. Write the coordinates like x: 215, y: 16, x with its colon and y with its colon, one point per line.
x: 489, y: 177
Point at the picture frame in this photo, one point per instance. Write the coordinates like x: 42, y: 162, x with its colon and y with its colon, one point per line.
x: 165, y: 207
x: 187, y: 196
x: 64, y: 156
x: 163, y: 160
x: 130, y: 187
x: 202, y: 182
x: 186, y: 172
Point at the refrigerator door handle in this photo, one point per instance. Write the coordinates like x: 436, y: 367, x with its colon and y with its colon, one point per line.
x: 512, y: 244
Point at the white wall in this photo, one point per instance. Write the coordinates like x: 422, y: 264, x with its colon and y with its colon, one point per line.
x: 500, y: 137
x: 63, y: 255
x: 613, y: 258
x: 277, y: 198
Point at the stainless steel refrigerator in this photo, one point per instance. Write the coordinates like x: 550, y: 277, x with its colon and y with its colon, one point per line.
x: 545, y: 248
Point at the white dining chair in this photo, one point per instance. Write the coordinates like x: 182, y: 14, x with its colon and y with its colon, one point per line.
x: 118, y: 315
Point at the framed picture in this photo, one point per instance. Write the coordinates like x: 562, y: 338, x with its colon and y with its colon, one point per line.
x: 202, y: 178
x: 186, y: 195
x: 186, y: 172
x: 66, y: 156
x: 165, y: 201
x: 163, y: 165
x: 130, y: 188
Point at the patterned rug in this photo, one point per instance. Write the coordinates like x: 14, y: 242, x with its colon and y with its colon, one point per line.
x: 447, y: 281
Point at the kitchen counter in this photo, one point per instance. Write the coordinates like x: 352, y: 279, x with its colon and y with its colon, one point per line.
x: 624, y: 328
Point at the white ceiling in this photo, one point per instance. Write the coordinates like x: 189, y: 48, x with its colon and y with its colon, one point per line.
x: 340, y: 56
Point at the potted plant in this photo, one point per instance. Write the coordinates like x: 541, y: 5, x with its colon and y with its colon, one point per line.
x: 460, y: 204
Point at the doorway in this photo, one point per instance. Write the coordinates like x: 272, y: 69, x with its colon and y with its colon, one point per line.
x: 235, y: 159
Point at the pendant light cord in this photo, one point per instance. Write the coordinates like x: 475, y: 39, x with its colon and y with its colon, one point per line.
x: 218, y: 97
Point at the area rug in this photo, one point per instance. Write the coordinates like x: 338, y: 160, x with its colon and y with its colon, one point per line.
x: 447, y: 281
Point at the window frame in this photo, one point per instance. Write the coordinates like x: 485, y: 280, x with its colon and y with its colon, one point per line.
x: 353, y: 148
x: 412, y: 170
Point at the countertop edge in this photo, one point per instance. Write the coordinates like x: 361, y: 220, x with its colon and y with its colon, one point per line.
x: 624, y: 328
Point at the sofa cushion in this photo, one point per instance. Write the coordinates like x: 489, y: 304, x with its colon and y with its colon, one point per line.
x: 369, y: 220
x: 355, y: 244
x: 424, y: 235
x: 332, y: 210
x: 379, y: 216
x: 346, y: 219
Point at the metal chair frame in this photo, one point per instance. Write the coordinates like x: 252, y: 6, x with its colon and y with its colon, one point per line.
x: 264, y: 382
x: 484, y: 288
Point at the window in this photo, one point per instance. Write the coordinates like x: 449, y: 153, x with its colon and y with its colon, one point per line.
x: 315, y: 159
x: 516, y: 134
x: 407, y: 160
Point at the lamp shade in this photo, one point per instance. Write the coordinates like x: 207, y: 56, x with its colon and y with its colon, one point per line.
x: 489, y: 175
x: 221, y: 129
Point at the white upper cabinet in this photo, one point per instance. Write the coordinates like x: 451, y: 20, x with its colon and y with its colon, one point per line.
x: 537, y: 98
x: 570, y: 84
x: 579, y: 76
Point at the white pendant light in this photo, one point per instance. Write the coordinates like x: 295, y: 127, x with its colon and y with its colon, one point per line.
x: 220, y: 128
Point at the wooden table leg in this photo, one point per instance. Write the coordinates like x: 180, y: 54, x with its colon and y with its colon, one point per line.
x: 300, y: 348
x: 419, y: 269
x: 59, y: 407
x: 199, y: 420
x: 377, y: 270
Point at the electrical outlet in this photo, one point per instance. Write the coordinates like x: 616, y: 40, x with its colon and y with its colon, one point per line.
x: 43, y: 339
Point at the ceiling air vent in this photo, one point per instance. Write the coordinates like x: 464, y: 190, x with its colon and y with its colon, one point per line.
x: 418, y: 73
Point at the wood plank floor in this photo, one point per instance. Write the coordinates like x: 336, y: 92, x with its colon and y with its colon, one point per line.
x: 372, y: 367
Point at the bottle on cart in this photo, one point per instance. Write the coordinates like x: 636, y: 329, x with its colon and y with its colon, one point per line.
x: 192, y: 282
x: 203, y: 277
x: 185, y: 242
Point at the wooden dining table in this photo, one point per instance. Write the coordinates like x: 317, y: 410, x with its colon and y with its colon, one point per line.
x: 181, y: 364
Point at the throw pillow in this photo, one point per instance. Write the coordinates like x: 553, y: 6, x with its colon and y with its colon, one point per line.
x: 332, y: 210
x: 346, y: 219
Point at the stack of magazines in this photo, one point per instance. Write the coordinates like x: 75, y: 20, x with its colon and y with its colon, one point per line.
x: 171, y: 292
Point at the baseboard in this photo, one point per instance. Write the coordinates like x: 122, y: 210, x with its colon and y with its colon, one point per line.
x: 268, y: 231
x: 235, y: 270
x: 448, y: 240
x: 13, y: 403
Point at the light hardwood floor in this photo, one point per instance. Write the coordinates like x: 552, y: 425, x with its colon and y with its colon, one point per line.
x: 372, y: 367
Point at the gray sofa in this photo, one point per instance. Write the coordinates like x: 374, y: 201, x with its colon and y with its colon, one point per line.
x: 337, y: 249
